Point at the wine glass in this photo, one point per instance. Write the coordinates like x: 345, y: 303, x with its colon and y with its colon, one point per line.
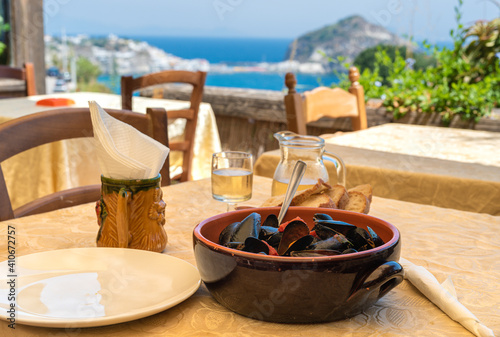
x: 232, y: 177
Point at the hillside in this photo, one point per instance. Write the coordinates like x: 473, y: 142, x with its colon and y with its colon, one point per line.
x: 348, y: 38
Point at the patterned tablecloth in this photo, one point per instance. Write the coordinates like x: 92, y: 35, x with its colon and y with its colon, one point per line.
x: 73, y: 163
x: 452, y: 168
x: 449, y: 243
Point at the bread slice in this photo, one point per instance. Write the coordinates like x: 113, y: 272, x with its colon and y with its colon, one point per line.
x: 339, y: 196
x: 366, y: 189
x: 299, y: 197
x: 318, y: 200
x: 358, y: 202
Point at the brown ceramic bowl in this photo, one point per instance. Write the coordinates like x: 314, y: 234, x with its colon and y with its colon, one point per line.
x: 297, y: 289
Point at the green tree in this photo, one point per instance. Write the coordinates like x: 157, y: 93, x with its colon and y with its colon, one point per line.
x: 366, y: 59
x: 87, y: 74
x: 86, y: 71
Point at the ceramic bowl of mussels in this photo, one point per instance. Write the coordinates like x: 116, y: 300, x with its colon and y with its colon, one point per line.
x: 318, y: 265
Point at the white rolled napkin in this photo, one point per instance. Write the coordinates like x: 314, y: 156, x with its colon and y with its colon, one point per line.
x: 123, y: 152
x: 444, y: 296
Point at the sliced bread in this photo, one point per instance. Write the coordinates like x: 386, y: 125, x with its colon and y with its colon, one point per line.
x: 339, y: 196
x: 366, y: 189
x: 358, y: 202
x: 318, y: 200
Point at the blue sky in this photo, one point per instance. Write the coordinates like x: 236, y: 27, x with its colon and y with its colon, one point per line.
x: 424, y: 19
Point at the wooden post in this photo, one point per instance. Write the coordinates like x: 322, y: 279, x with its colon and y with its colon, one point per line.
x: 27, y: 37
x: 294, y: 107
x: 360, y: 122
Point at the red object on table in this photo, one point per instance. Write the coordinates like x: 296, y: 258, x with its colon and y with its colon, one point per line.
x: 55, y: 102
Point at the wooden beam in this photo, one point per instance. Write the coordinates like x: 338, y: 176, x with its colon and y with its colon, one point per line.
x: 27, y: 37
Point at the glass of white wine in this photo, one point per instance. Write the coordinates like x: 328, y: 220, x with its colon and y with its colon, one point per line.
x: 232, y: 177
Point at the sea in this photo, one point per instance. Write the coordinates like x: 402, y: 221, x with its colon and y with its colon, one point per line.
x: 234, y: 52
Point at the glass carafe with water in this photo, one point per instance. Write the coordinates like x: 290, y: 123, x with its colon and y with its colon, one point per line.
x: 310, y: 149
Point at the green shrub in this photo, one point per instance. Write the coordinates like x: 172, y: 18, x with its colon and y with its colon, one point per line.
x: 465, y: 81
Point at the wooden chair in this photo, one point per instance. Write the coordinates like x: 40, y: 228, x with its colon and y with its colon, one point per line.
x: 197, y: 80
x: 26, y: 74
x: 27, y: 132
x: 325, y: 102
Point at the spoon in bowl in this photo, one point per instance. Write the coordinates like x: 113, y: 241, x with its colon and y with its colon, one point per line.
x: 298, y: 172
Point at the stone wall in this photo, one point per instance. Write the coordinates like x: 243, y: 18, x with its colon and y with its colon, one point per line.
x: 248, y: 118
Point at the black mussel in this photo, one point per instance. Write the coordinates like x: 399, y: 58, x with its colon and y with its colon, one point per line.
x: 349, y: 251
x: 266, y: 232
x: 271, y: 221
x: 227, y: 233
x: 292, y: 232
x: 377, y: 241
x: 336, y: 242
x: 324, y: 232
x: 235, y: 245
x: 321, y: 216
x: 315, y: 253
x: 250, y: 226
x: 300, y: 244
x: 339, y: 226
x: 361, y: 239
x: 254, y: 245
x: 274, y: 240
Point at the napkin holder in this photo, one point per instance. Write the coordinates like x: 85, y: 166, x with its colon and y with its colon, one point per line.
x: 131, y: 214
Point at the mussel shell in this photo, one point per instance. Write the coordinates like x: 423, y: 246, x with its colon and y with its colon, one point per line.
x: 339, y: 226
x: 376, y: 239
x: 227, y: 233
x: 349, y: 251
x: 299, y: 245
x: 250, y: 226
x: 337, y: 242
x: 323, y: 232
x: 235, y: 245
x: 254, y: 245
x: 274, y: 240
x: 266, y: 232
x: 271, y: 221
x: 292, y: 232
x: 361, y: 239
x: 315, y: 253
x: 321, y: 216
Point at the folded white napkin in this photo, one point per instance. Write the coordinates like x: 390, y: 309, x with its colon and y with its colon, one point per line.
x: 123, y: 152
x: 444, y: 296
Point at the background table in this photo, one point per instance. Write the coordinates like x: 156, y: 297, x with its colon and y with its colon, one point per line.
x: 73, y: 163
x: 461, y: 245
x: 452, y: 168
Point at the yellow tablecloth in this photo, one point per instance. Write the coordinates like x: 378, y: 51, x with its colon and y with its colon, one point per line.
x: 450, y: 168
x: 58, y: 166
x: 447, y: 242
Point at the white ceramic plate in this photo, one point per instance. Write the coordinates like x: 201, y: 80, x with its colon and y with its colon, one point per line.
x: 86, y: 287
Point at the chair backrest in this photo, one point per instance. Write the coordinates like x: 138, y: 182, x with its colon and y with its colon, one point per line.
x: 21, y: 134
x: 197, y: 80
x: 325, y: 102
x: 26, y: 74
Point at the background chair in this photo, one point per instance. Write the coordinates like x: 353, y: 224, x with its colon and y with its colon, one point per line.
x: 197, y: 80
x: 26, y: 74
x: 325, y: 102
x: 27, y: 132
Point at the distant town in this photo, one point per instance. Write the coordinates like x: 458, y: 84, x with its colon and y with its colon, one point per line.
x: 116, y: 55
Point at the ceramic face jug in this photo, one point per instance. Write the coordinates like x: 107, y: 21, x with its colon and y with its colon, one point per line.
x: 131, y: 214
x: 310, y: 149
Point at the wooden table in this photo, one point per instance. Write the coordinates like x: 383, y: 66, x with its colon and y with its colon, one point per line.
x: 449, y: 243
x: 452, y: 168
x: 73, y: 163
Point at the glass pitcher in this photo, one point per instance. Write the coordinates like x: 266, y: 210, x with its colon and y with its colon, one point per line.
x: 310, y: 149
